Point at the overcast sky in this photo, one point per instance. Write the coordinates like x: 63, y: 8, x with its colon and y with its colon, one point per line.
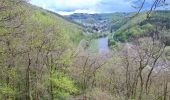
x: 66, y: 7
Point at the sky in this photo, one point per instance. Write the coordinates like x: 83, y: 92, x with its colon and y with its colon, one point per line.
x: 67, y: 7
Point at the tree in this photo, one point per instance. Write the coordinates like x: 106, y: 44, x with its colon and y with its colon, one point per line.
x: 85, y: 71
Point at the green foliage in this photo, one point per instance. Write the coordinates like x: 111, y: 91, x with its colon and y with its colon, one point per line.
x: 147, y: 26
x: 118, y: 24
x: 62, y: 26
x: 93, y: 45
x: 99, y: 35
x: 112, y: 42
x: 62, y: 85
x: 140, y: 25
x: 6, y: 90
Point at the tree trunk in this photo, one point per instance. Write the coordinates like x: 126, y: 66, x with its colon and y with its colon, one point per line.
x: 28, y: 95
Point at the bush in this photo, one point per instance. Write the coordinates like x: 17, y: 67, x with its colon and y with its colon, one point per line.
x: 112, y: 42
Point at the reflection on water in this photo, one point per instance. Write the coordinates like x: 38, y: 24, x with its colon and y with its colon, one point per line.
x: 102, y: 44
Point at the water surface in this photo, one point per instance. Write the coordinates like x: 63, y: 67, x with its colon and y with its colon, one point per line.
x: 102, y: 45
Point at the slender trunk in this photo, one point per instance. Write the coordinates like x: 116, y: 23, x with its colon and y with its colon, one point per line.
x: 36, y: 75
x: 127, y: 81
x: 149, y: 75
x: 51, y: 86
x: 84, y: 79
x: 50, y: 65
x: 28, y: 95
x: 165, y: 90
x: 141, y: 85
x: 134, y: 86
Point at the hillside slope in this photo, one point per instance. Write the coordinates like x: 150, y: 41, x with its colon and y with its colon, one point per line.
x: 36, y: 47
x: 143, y: 26
x: 73, y: 30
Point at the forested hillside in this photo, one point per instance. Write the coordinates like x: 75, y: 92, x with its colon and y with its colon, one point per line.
x: 138, y: 26
x: 35, y: 48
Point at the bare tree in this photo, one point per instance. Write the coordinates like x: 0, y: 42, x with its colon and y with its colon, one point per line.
x: 155, y: 4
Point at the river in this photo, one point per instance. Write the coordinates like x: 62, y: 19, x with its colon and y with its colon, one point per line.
x: 102, y: 45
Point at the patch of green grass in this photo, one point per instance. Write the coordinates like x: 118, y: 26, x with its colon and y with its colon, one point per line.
x: 93, y: 45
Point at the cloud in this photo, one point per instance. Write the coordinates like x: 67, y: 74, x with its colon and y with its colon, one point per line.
x: 65, y: 7
x: 65, y: 4
x: 89, y: 11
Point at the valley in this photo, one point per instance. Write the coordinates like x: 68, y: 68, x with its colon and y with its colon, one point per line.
x: 80, y: 56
